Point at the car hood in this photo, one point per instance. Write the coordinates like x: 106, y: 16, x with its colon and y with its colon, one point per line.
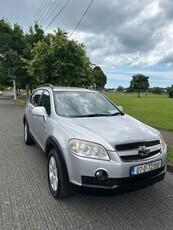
x: 109, y: 131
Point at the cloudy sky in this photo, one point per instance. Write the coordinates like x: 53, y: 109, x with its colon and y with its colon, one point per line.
x: 124, y: 37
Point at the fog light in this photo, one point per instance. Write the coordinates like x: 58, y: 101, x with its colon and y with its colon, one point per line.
x: 101, y: 174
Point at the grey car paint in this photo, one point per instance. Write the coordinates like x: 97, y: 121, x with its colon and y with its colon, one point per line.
x: 107, y: 131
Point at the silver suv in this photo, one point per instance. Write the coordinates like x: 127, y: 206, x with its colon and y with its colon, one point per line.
x: 90, y: 142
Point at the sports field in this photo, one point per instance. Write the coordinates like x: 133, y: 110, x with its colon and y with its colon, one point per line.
x: 154, y: 110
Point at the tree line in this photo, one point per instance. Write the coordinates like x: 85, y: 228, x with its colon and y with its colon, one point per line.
x: 140, y: 83
x: 35, y: 58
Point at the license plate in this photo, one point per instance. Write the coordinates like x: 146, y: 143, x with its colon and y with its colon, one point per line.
x: 135, y: 170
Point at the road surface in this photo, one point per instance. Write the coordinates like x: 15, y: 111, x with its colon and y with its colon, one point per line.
x: 26, y: 203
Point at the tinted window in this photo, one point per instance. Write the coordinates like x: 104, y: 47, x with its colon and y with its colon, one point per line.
x: 45, y: 101
x: 34, y: 100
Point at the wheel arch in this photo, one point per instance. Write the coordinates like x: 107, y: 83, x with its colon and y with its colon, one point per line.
x: 52, y: 143
x: 24, y: 119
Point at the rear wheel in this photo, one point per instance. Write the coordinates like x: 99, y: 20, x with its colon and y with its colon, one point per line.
x: 57, y: 176
x: 27, y: 136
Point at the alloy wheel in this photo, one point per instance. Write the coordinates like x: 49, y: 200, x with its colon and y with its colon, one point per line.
x: 25, y: 132
x: 53, y: 174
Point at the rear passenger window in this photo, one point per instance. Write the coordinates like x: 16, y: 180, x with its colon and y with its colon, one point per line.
x: 34, y: 100
x: 45, y: 101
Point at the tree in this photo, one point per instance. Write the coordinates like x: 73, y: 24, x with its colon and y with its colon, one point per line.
x: 100, y: 78
x: 35, y: 35
x: 139, y: 83
x: 170, y: 92
x: 14, y: 48
x: 5, y: 36
x: 120, y: 88
x: 5, y: 41
x: 11, y: 49
x: 157, y: 90
x: 60, y: 61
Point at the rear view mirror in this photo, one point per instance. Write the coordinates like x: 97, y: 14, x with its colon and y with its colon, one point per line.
x: 39, y: 111
x: 120, y: 108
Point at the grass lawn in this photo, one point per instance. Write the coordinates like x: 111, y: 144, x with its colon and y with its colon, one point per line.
x: 154, y: 110
x: 21, y: 100
x: 170, y: 154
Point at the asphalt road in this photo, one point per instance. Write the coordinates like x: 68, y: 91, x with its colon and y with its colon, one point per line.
x: 26, y: 203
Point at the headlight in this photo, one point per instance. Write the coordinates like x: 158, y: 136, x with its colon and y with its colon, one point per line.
x: 164, y: 146
x: 88, y: 149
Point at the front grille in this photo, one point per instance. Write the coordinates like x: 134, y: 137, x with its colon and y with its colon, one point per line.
x: 110, y: 182
x: 136, y: 145
x: 139, y: 157
x: 131, y: 151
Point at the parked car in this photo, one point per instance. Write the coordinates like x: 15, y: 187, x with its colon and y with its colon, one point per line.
x: 1, y: 93
x: 91, y: 142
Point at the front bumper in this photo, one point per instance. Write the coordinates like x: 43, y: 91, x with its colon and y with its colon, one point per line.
x: 82, y: 171
x: 126, y: 183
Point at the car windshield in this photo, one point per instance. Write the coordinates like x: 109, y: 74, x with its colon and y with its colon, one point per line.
x: 83, y: 104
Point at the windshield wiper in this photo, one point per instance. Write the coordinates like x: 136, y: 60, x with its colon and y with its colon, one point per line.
x: 95, y: 115
x: 115, y: 114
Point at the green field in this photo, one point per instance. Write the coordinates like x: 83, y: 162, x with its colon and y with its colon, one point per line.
x: 170, y: 154
x: 154, y: 110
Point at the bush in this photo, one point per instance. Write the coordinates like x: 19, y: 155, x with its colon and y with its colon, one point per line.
x: 171, y: 93
x: 157, y: 90
x: 2, y: 87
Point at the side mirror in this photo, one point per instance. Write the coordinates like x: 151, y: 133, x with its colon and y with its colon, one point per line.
x: 39, y: 111
x: 120, y: 108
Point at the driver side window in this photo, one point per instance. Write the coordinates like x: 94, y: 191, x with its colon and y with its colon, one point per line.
x: 45, y: 102
x: 34, y: 100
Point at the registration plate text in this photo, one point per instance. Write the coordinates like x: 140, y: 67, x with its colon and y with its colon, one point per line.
x: 145, y: 167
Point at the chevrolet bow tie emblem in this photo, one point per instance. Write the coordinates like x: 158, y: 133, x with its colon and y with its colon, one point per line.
x: 143, y: 151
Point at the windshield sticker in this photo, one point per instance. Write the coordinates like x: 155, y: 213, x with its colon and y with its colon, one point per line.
x: 112, y: 111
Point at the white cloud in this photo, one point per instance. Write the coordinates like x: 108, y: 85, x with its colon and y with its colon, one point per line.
x: 127, y: 33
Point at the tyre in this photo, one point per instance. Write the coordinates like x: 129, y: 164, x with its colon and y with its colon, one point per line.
x: 27, y: 136
x: 57, y: 176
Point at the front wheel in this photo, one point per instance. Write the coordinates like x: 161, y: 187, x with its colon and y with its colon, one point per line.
x: 27, y: 137
x: 57, y: 176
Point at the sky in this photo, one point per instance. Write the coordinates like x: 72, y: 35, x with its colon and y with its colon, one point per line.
x: 123, y: 37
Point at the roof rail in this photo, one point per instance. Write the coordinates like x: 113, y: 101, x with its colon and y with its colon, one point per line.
x: 48, y: 85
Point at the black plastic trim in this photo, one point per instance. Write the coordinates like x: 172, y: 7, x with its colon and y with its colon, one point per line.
x: 138, y: 180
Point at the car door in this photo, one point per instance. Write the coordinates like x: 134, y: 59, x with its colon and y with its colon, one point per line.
x: 41, y: 122
x: 33, y: 102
